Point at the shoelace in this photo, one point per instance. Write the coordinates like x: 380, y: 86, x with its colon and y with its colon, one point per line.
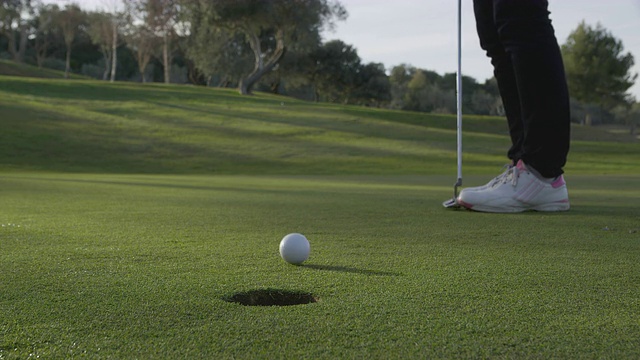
x: 511, y: 175
x: 504, y: 177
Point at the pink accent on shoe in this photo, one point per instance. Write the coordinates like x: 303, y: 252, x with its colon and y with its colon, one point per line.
x: 464, y: 204
x: 520, y: 165
x: 558, y: 182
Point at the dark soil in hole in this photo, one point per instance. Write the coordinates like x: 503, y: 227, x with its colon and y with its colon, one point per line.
x: 272, y: 297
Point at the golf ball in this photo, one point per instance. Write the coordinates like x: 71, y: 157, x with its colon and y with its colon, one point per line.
x: 294, y: 248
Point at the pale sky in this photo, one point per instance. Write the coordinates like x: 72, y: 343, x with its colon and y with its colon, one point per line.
x: 422, y: 33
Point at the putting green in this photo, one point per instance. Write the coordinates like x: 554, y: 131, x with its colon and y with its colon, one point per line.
x: 144, y: 266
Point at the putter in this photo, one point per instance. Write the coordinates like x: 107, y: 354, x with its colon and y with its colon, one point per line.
x: 453, y: 202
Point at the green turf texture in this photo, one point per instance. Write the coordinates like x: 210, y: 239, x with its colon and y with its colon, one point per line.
x: 130, y: 215
x: 12, y: 68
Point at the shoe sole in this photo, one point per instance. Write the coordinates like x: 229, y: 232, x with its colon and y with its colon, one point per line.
x: 553, y: 207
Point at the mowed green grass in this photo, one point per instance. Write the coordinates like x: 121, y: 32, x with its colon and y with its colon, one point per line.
x: 131, y: 213
x: 12, y: 68
x: 90, y: 126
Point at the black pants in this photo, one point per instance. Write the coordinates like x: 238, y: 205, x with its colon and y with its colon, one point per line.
x: 519, y: 38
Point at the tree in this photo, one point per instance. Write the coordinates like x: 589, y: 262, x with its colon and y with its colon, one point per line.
x: 426, y: 93
x: 424, y: 90
x: 268, y: 27
x: 139, y: 36
x: 117, y: 20
x: 629, y: 115
x: 334, y: 71
x: 15, y: 27
x: 161, y: 17
x: 290, y: 75
x: 222, y: 56
x: 101, y: 31
x: 142, y: 41
x: 421, y: 90
x: 70, y: 20
x: 399, y: 77
x: 597, y: 70
x: 373, y: 86
x: 45, y: 29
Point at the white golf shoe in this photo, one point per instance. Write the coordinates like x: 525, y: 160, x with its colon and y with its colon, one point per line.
x: 517, y: 190
x: 494, y: 181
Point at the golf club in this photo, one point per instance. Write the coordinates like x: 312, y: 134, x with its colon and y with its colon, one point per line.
x: 453, y: 202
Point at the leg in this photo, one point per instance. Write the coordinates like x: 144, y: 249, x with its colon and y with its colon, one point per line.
x: 528, y: 38
x: 504, y: 73
x: 519, y: 38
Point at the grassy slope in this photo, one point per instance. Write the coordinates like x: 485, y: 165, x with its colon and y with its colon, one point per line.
x: 91, y: 126
x: 11, y: 68
x: 101, y: 260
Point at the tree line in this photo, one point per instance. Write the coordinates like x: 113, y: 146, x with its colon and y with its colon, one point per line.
x: 276, y: 46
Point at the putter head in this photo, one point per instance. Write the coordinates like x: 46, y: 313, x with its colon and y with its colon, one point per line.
x: 453, y: 202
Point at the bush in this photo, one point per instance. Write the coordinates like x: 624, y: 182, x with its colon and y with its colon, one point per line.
x: 54, y: 64
x: 590, y: 114
x: 93, y: 71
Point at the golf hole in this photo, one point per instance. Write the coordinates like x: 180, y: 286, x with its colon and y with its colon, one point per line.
x: 272, y: 297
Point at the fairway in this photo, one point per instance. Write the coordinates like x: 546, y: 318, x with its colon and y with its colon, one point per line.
x: 125, y: 233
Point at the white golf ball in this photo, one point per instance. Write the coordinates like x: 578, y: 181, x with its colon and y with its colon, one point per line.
x: 295, y: 248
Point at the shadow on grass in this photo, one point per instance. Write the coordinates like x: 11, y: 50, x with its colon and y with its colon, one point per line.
x: 353, y: 270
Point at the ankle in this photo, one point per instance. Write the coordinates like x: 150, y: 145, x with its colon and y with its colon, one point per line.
x: 536, y: 173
